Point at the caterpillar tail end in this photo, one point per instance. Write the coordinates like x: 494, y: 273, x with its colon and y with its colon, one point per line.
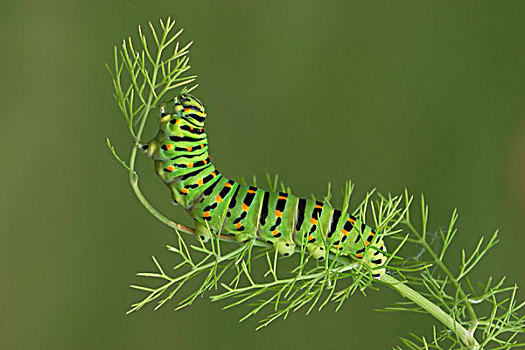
x: 375, y: 259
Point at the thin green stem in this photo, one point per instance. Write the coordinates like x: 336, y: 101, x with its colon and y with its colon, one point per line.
x: 445, y: 269
x: 146, y: 204
x: 282, y: 281
x: 466, y: 337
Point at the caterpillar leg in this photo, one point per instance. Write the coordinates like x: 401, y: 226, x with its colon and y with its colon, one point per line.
x: 148, y: 148
x: 156, y: 148
x: 317, y: 251
x: 143, y: 147
x: 202, y: 231
x: 285, y: 247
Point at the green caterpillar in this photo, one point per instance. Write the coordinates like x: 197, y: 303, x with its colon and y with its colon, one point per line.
x: 180, y: 152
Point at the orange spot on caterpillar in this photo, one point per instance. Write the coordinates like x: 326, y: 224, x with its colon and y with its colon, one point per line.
x: 218, y: 198
x: 275, y: 232
x: 337, y: 246
x: 319, y: 206
x: 184, y: 190
x: 202, y: 146
x: 205, y: 161
x: 278, y: 213
x: 200, y: 182
x: 351, y: 220
x: 177, y: 121
x: 367, y: 243
x: 310, y: 238
x: 189, y: 165
x: 238, y: 225
x: 359, y: 255
x: 250, y: 191
x: 187, y: 110
x: 189, y: 148
x: 191, y: 128
x: 213, y: 173
x: 171, y: 168
x: 344, y: 232
x: 372, y: 233
x: 206, y: 214
x: 227, y: 184
x: 245, y: 207
x: 169, y: 146
x: 313, y: 221
x: 282, y: 197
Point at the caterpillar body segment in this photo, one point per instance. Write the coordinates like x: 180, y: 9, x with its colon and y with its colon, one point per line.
x: 221, y: 205
x: 210, y: 210
x: 242, y: 216
x: 277, y: 220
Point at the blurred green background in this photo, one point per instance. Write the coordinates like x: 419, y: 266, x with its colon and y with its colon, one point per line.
x: 418, y: 94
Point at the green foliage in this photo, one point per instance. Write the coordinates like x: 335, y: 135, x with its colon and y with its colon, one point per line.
x: 307, y: 284
x: 471, y: 315
x: 142, y: 78
x: 488, y: 311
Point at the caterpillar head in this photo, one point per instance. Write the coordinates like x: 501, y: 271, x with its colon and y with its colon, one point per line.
x: 191, y: 109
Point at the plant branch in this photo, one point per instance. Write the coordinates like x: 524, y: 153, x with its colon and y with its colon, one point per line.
x: 152, y: 72
x: 466, y: 337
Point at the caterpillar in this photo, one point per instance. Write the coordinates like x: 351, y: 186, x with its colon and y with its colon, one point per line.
x: 218, y: 204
